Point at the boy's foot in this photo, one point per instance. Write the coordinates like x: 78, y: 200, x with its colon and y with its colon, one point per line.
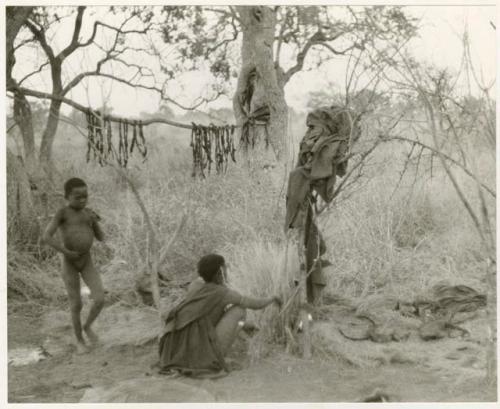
x: 81, y: 348
x: 91, y: 335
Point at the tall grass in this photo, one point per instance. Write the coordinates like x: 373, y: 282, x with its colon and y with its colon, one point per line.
x: 401, y: 244
x: 260, y: 268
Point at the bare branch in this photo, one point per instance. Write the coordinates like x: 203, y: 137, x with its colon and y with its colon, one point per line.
x: 347, y: 177
x: 164, y: 251
x: 112, y: 77
x: 108, y: 56
x: 224, y: 42
x: 318, y: 39
x: 446, y: 157
x: 231, y: 13
x: 10, y: 128
x: 300, y: 60
x: 24, y: 42
x: 196, y: 105
x: 337, y: 52
x: 73, y: 45
x: 118, y: 30
x: 34, y: 72
x: 139, y: 68
x: 41, y: 38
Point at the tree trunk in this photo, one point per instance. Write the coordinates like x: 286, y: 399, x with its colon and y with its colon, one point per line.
x: 15, y: 18
x: 258, y: 70
x: 23, y: 118
x: 49, y: 133
x: 50, y: 130
x: 22, y: 226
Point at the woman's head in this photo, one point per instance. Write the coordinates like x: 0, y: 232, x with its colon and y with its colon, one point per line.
x: 212, y: 268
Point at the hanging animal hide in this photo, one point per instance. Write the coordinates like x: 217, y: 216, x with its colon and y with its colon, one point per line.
x: 260, y: 117
x: 322, y: 157
x: 255, y: 111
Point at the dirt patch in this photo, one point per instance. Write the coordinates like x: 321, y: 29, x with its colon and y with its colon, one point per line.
x: 66, y: 377
x: 149, y: 390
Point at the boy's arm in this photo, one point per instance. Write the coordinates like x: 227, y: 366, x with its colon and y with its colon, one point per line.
x: 98, y: 233
x: 48, y: 234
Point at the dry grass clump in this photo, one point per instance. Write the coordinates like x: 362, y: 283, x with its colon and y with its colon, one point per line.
x: 29, y: 278
x: 259, y: 268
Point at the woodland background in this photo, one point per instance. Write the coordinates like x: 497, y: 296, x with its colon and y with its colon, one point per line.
x: 417, y: 207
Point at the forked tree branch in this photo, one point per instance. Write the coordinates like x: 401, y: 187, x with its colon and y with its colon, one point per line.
x: 318, y: 39
x: 73, y: 45
x: 39, y: 34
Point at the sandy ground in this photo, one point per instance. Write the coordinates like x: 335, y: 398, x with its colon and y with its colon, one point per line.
x: 279, y: 377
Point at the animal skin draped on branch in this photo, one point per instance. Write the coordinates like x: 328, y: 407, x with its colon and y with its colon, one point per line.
x: 321, y: 159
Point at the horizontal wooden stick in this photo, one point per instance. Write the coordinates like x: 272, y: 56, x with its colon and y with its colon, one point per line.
x: 76, y: 105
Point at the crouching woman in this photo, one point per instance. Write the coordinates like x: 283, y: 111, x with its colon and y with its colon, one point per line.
x: 199, y: 331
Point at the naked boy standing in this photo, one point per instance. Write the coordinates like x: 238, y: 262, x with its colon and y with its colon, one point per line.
x: 78, y: 225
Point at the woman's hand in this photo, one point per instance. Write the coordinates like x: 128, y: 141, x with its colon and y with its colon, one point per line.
x: 277, y: 299
x: 71, y: 255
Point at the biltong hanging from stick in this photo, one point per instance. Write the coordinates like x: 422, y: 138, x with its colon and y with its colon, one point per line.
x: 100, y: 140
x: 212, y: 144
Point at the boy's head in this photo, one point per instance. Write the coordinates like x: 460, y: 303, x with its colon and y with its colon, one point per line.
x: 75, y: 192
x: 212, y: 268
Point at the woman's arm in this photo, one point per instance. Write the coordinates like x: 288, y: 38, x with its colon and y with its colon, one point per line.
x: 251, y: 303
x: 233, y: 297
x: 255, y: 303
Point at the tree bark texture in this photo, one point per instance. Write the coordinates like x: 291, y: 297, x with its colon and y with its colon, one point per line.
x: 50, y: 130
x: 24, y: 119
x: 259, y: 74
x: 15, y: 18
x: 22, y: 223
x: 49, y: 133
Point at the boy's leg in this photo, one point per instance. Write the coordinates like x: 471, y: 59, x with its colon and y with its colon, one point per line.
x: 71, y: 280
x: 227, y: 327
x: 93, y: 280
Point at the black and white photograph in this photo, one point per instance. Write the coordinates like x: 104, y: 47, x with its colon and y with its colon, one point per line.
x: 241, y: 203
